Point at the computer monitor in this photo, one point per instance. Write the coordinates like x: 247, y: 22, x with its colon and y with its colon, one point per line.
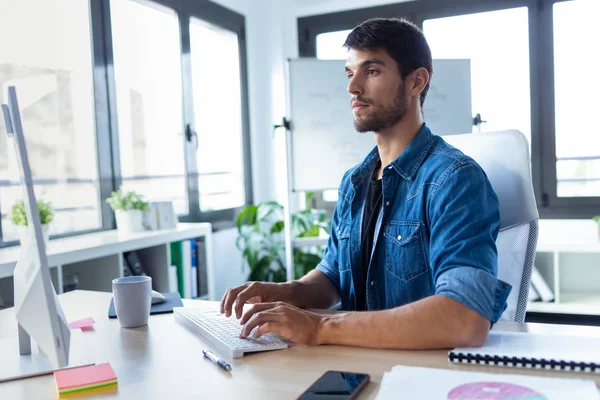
x: 37, y: 310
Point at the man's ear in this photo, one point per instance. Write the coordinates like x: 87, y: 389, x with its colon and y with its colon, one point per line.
x: 418, y: 82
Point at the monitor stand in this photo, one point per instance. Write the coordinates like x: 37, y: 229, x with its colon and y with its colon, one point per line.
x: 15, y: 366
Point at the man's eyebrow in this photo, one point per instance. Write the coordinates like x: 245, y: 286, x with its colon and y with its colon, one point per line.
x: 368, y: 62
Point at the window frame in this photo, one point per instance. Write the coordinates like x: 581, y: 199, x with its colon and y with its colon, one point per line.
x: 541, y: 64
x: 105, y: 110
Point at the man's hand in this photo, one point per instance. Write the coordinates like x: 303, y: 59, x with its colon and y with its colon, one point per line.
x: 295, y: 324
x: 253, y: 292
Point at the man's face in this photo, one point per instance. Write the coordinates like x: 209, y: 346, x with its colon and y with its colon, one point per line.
x: 378, y: 93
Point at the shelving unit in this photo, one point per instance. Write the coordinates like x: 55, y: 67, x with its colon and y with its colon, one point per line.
x: 568, y: 258
x: 97, y: 258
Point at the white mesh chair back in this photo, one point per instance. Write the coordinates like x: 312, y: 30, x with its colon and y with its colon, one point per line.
x: 504, y: 156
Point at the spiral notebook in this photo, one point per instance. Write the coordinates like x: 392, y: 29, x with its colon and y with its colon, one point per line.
x: 528, y: 350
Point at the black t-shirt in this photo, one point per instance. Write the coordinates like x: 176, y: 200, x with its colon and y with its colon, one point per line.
x: 373, y: 201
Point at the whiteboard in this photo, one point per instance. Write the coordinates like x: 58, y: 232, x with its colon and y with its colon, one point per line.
x: 323, y: 142
x: 447, y: 107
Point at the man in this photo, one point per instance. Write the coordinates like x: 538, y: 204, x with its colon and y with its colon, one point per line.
x: 412, y: 253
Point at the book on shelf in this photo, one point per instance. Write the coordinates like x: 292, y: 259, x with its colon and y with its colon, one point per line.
x: 533, y: 294
x: 177, y: 261
x: 194, y: 274
x: 541, y: 287
x: 201, y: 263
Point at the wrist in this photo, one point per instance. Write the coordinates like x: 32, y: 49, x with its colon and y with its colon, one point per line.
x: 325, y: 328
x: 290, y: 293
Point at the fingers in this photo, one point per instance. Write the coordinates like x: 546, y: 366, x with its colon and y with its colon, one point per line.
x: 252, y: 290
x: 256, y: 308
x: 229, y: 298
x: 262, y: 318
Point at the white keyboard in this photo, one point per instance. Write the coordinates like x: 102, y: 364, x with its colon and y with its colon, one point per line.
x: 224, y: 332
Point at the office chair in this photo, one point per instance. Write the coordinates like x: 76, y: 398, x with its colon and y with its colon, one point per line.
x: 504, y: 156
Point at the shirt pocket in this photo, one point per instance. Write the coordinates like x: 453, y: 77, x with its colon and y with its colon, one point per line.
x: 343, y: 238
x: 404, y: 252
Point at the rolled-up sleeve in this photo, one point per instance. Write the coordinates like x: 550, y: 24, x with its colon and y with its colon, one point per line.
x: 465, y: 219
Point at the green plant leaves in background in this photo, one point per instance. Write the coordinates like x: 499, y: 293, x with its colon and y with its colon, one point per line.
x: 261, y: 239
x: 18, y: 215
x: 127, y: 200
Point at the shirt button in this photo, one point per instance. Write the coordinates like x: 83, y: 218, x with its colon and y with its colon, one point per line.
x: 390, y: 167
x: 339, y: 231
x: 387, y: 203
x: 372, y: 283
x: 399, y: 237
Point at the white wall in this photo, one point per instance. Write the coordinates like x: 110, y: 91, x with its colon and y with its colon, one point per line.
x: 271, y: 36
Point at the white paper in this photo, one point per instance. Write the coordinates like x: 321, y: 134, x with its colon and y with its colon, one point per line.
x: 529, y: 345
x: 428, y: 383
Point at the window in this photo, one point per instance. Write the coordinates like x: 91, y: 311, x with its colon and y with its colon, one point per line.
x: 147, y: 57
x: 47, y: 56
x: 523, y: 55
x: 576, y: 100
x: 330, y: 45
x: 499, y: 63
x: 218, y: 116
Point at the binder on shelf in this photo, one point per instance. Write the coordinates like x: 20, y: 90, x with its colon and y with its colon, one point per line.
x: 528, y: 350
x: 177, y: 261
x: 533, y: 294
x: 540, y: 285
x: 186, y: 261
x: 202, y: 266
x: 173, y: 287
x: 135, y: 264
x: 194, y: 275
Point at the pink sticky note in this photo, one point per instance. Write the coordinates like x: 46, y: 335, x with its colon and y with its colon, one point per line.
x: 84, y: 324
x: 90, y: 375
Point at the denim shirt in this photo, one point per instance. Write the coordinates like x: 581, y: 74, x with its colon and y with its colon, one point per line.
x: 435, y: 234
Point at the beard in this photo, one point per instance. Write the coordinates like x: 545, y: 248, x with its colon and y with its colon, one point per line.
x: 383, y: 116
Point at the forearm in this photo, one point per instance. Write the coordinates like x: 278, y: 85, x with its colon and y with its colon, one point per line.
x: 314, y: 290
x: 436, y: 322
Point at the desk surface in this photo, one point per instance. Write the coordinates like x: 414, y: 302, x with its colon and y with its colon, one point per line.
x: 164, y: 359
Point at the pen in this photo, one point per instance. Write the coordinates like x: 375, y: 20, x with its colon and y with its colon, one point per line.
x: 214, y: 358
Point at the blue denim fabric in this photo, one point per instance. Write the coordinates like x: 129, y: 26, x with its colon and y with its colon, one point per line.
x: 435, y: 234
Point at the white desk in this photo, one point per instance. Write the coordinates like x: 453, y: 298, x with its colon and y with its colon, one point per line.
x: 164, y: 361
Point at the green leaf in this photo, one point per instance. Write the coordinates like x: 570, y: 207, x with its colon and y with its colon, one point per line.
x: 246, y: 217
x: 18, y: 215
x: 267, y: 209
x: 277, y: 227
x: 260, y: 272
x: 312, y: 232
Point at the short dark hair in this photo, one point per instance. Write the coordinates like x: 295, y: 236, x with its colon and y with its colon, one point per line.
x: 401, y: 39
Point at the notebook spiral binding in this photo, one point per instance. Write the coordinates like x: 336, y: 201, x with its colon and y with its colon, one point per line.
x: 523, y: 362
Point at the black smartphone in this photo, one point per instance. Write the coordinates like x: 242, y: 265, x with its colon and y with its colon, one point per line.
x: 336, y: 385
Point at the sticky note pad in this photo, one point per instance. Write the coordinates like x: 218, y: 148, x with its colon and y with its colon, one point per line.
x: 85, y: 379
x: 84, y: 324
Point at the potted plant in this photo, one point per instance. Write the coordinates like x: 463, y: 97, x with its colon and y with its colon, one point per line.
x: 18, y: 217
x: 261, y: 240
x: 128, y: 207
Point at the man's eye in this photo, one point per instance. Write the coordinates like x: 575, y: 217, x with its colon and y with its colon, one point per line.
x: 349, y: 76
x: 372, y: 72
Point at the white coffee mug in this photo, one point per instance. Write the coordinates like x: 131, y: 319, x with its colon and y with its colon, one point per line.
x: 133, y: 297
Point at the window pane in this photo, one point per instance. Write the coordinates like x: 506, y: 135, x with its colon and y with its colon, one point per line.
x: 330, y: 45
x: 576, y: 100
x: 46, y: 53
x: 218, y: 116
x: 497, y: 43
x: 147, y: 55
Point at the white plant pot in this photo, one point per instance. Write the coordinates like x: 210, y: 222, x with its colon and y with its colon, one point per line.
x: 129, y: 221
x: 24, y: 234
